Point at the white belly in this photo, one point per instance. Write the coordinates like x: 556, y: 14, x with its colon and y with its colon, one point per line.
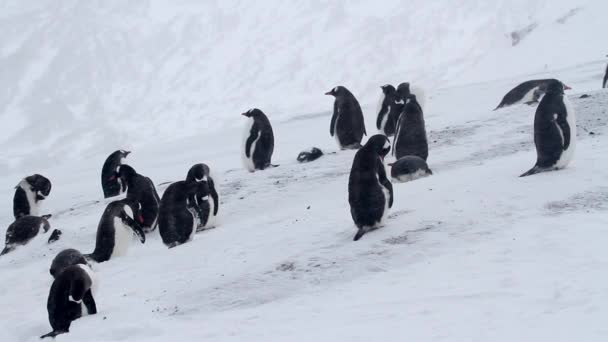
x: 336, y: 131
x: 528, y: 97
x: 387, y: 196
x: 568, y: 154
x: 412, y: 176
x: 123, y: 235
x: 248, y: 162
x: 31, y: 198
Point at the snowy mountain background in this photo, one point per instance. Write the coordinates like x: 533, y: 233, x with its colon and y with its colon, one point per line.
x: 472, y: 253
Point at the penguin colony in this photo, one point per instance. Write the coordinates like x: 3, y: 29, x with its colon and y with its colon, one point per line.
x: 191, y: 205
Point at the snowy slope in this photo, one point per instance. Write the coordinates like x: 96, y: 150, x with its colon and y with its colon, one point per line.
x: 473, y: 253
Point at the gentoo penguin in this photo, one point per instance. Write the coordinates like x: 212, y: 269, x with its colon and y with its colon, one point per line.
x: 23, y: 230
x: 405, y: 89
x: 111, y: 184
x: 65, y: 258
x: 70, y: 297
x: 206, y: 212
x: 528, y: 92
x: 141, y: 189
x: 177, y: 221
x: 389, y: 108
x: 554, y: 130
x: 409, y: 168
x: 347, y: 124
x: 410, y: 139
x: 307, y: 156
x: 28, y: 195
x: 119, y: 222
x: 370, y: 193
x: 258, y: 141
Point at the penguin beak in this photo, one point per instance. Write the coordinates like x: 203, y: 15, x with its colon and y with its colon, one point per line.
x: 112, y: 178
x: 567, y: 88
x: 141, y: 218
x: 244, y: 114
x: 329, y: 93
x: 127, y: 153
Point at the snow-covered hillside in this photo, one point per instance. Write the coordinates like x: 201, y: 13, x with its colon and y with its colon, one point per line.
x: 473, y: 253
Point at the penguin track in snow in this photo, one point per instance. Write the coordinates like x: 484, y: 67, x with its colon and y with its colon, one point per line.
x: 593, y: 200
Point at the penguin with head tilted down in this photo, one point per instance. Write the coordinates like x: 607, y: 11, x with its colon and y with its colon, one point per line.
x: 389, y: 108
x: 64, y: 259
x: 405, y: 89
x: 528, y: 92
x: 23, y: 230
x: 206, y: 210
x: 370, y: 192
x: 309, y: 155
x: 410, y: 139
x: 347, y: 125
x: 258, y: 141
x: 70, y: 297
x: 29, y: 193
x: 141, y: 189
x: 554, y: 131
x: 177, y: 220
x: 111, y: 184
x: 120, y: 222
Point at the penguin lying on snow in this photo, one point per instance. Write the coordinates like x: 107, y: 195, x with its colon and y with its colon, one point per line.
x: 409, y: 168
x: 554, y: 131
x: 119, y: 222
x: 23, y: 230
x: 206, y: 209
x: 410, y: 139
x: 370, y: 193
x: 64, y: 259
x: 347, y: 125
x: 70, y: 297
x: 111, y: 185
x: 258, y: 142
x: 28, y: 195
x: 528, y: 92
x: 140, y: 189
x: 389, y: 108
x: 310, y: 155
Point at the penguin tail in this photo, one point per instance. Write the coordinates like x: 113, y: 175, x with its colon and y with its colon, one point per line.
x: 47, y: 216
x: 359, y: 234
x: 536, y: 169
x: 53, y: 334
x: 6, y: 250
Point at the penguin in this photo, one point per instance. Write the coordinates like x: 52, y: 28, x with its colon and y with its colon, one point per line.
x: 177, y: 222
x: 141, y: 189
x: 554, y: 131
x: 28, y: 195
x: 65, y: 258
x: 23, y: 230
x: 70, y: 297
x: 370, y: 192
x: 410, y: 138
x: 389, y: 108
x: 528, y: 92
x: 258, y: 141
x: 409, y: 168
x: 206, y: 212
x: 605, y: 83
x: 111, y: 184
x: 347, y: 125
x: 311, y: 155
x: 119, y: 222
x: 404, y: 90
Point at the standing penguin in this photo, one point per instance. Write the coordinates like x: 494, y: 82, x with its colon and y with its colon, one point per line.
x: 206, y: 212
x: 70, y: 297
x: 405, y: 89
x: 119, y: 222
x: 554, y: 131
x: 528, y: 92
x: 141, y: 189
x: 177, y: 221
x: 111, y: 184
x: 23, y: 230
x: 370, y: 193
x: 389, y: 108
x: 28, y: 195
x: 64, y: 259
x: 410, y: 138
x: 347, y: 124
x: 258, y: 142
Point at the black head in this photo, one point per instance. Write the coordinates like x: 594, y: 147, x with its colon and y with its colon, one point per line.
x: 556, y: 87
x: 40, y: 184
x: 66, y: 258
x: 404, y: 89
x: 388, y: 89
x: 122, y: 153
x: 380, y: 144
x: 338, y: 91
x: 124, y: 172
x: 253, y: 113
x: 198, y: 172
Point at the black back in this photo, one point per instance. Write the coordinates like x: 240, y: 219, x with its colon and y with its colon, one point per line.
x: 347, y: 121
x: 310, y: 155
x: 409, y: 165
x: 73, y: 282
x: 106, y: 232
x: 517, y: 94
x: 547, y: 135
x: 367, y: 179
x: 262, y: 131
x: 390, y: 108
x: 23, y: 230
x: 109, y: 182
x: 65, y: 258
x: 39, y: 185
x: 176, y: 220
x: 410, y: 138
x: 196, y: 174
x: 141, y: 189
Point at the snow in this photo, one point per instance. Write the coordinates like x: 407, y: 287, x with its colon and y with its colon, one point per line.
x: 471, y: 253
